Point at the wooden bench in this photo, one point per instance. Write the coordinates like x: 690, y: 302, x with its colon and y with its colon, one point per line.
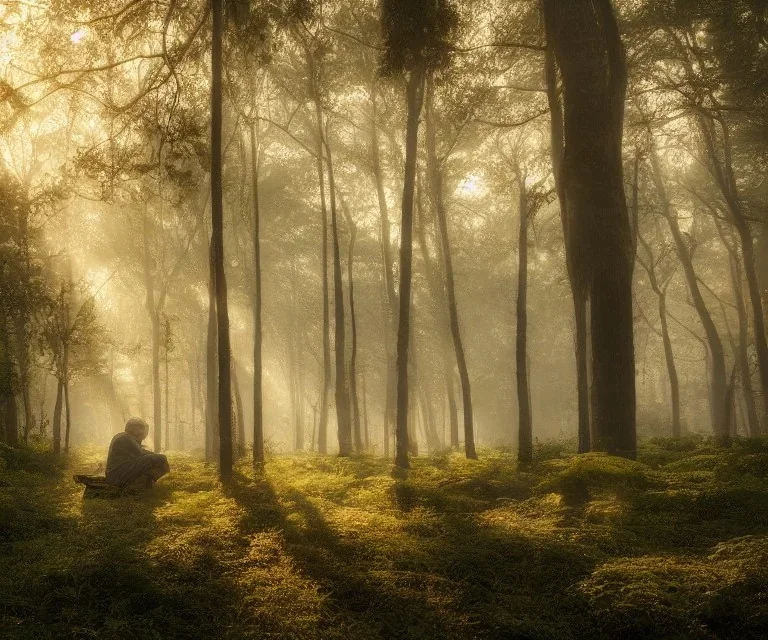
x: 98, y: 487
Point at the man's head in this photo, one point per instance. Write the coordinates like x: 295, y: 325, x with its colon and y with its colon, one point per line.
x: 138, y: 428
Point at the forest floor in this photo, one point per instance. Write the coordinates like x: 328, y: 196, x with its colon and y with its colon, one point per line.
x: 672, y: 546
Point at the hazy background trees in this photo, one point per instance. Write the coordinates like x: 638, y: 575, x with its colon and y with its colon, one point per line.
x: 343, y: 134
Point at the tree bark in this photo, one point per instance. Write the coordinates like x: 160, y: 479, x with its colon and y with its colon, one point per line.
x: 217, y: 243
x: 258, y: 402
x: 577, y: 284
x: 388, y: 266
x: 437, y: 291
x: 414, y: 101
x: 590, y: 55
x: 57, y: 417
x: 718, y: 383
x: 343, y: 415
x: 525, y: 425
x: 753, y: 422
x: 211, y: 371
x: 436, y: 181
x: 356, y: 427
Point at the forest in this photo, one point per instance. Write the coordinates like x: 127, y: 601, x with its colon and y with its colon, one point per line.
x: 448, y: 316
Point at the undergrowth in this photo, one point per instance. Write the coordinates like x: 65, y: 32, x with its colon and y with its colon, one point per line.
x: 674, y: 545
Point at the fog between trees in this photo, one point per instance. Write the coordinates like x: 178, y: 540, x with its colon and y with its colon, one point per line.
x: 584, y: 255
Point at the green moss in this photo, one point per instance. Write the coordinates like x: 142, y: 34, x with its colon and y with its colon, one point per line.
x: 573, y: 546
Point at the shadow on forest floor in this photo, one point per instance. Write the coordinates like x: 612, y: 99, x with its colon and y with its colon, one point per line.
x: 319, y: 547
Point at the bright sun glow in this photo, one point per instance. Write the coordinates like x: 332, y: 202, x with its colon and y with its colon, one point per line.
x: 78, y: 35
x: 472, y: 186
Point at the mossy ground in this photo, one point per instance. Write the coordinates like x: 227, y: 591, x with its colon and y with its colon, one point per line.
x: 672, y: 546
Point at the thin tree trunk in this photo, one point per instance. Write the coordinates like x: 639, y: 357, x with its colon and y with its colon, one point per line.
x: 388, y: 266
x: 415, y: 96
x: 322, y: 435
x: 366, y: 431
x: 57, y: 417
x: 356, y: 428
x: 525, y: 423
x: 437, y: 291
x: 343, y: 415
x: 217, y: 242
x: 674, y: 385
x: 154, y: 316
x: 258, y: 401
x: 240, y: 450
x: 211, y: 371
x: 718, y: 383
x: 745, y: 374
x: 436, y: 181
x: 167, y: 412
x: 67, y: 412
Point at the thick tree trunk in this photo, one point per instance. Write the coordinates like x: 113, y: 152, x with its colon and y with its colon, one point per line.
x: 414, y: 101
x: 217, y: 242
x: 356, y: 427
x: 578, y: 290
x: 590, y: 55
x: 436, y: 181
x: 525, y: 423
x: 258, y: 402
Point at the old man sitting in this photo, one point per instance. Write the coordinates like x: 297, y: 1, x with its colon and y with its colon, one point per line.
x: 131, y: 466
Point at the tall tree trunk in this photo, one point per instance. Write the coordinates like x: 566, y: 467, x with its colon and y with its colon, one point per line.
x: 258, y: 402
x: 589, y: 52
x: 366, y: 432
x: 436, y: 181
x: 437, y: 291
x: 167, y: 395
x: 322, y: 434
x: 57, y: 417
x: 742, y: 354
x: 525, y: 423
x: 343, y: 415
x: 577, y: 284
x: 726, y: 181
x: 240, y: 450
x: 718, y: 383
x: 415, y: 98
x: 669, y: 357
x: 356, y: 428
x: 192, y: 399
x: 217, y: 242
x: 211, y: 371
x: 388, y: 266
x: 154, y: 317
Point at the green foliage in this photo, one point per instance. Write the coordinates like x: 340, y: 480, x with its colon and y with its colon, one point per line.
x: 416, y: 32
x: 322, y: 547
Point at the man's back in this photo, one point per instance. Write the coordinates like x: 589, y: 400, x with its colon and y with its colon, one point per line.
x: 122, y: 449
